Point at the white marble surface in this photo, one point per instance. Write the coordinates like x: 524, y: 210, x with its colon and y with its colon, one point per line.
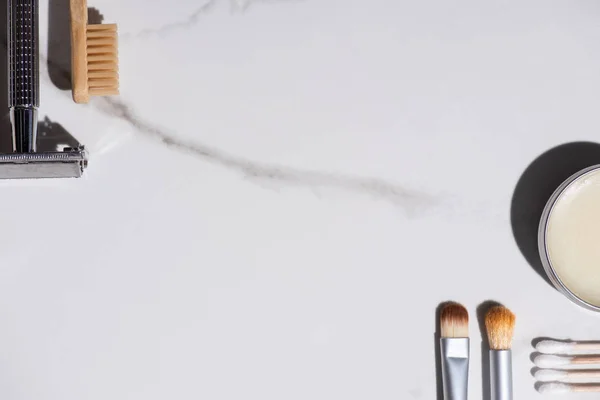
x: 283, y: 194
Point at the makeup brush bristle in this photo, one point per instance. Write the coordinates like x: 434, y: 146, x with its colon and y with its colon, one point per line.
x: 500, y: 325
x: 454, y: 321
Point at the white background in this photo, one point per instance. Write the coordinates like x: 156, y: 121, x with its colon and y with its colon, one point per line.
x: 285, y: 192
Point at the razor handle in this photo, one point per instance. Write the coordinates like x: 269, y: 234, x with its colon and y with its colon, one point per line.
x: 23, y: 72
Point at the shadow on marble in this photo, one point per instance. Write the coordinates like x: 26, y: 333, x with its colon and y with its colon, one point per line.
x: 59, y: 41
x: 52, y: 136
x: 537, y: 386
x: 535, y: 186
x: 535, y: 352
x: 59, y: 44
x: 486, y: 388
x: 94, y: 16
x: 535, y: 341
x: 533, y: 356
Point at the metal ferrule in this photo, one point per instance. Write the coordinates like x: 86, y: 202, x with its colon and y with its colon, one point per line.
x: 501, y: 374
x: 455, y: 367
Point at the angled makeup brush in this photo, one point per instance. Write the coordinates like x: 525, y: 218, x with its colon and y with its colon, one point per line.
x: 566, y: 375
x: 552, y: 361
x: 551, y: 346
x: 500, y: 325
x: 454, y: 345
x: 558, y: 387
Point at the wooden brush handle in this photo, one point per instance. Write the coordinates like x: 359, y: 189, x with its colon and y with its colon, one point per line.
x: 577, y: 387
x: 587, y: 346
x: 586, y: 359
x: 79, y: 79
x: 584, y: 374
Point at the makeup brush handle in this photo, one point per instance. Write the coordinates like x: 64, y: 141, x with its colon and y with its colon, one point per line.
x: 594, y: 359
x: 455, y: 367
x: 501, y: 375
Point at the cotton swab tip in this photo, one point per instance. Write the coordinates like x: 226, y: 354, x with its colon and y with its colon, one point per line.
x: 553, y: 388
x: 550, y: 361
x: 549, y: 375
x: 554, y: 347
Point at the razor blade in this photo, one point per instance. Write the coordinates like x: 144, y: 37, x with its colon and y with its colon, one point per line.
x: 69, y: 163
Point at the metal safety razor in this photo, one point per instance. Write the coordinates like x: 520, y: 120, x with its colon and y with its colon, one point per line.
x: 24, y: 100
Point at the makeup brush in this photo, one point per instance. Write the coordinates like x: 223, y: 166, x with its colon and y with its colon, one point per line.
x: 551, y: 361
x: 551, y: 346
x: 552, y: 375
x: 500, y: 325
x: 557, y: 387
x: 454, y: 345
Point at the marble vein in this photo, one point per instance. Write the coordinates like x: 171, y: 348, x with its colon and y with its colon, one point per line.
x: 193, y: 18
x: 189, y: 21
x: 410, y: 200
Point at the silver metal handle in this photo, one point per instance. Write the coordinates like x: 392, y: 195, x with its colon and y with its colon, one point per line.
x: 455, y: 367
x: 501, y: 374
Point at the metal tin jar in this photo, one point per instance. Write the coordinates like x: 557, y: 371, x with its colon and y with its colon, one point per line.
x: 542, y: 245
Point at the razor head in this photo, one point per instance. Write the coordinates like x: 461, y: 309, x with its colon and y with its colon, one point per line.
x: 69, y: 163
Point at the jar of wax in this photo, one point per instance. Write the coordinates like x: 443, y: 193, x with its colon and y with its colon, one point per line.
x: 569, y: 238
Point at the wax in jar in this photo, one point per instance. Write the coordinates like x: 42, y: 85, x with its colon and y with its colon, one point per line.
x: 573, y: 237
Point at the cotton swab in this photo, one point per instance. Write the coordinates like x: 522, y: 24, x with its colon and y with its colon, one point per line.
x: 552, y: 361
x: 551, y: 375
x: 551, y: 346
x: 558, y: 388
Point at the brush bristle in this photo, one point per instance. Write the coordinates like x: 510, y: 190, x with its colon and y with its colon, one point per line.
x: 454, y: 321
x: 500, y: 325
x: 102, y: 60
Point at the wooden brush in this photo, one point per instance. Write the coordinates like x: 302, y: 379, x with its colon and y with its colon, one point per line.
x: 94, y: 60
x: 500, y: 325
x: 454, y: 350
